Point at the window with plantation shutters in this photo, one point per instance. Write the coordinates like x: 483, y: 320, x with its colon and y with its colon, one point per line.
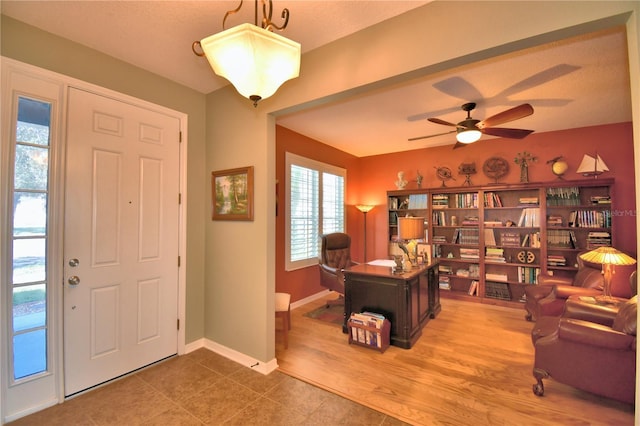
x: 314, y: 206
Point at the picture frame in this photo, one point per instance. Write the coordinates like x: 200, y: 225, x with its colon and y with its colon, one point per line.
x: 232, y: 194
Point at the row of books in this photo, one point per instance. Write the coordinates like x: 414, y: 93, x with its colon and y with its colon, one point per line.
x: 473, y: 288
x: 469, y: 236
x: 590, y: 218
x: 440, y: 201
x: 563, y: 196
x: 367, y: 319
x: 530, y: 217
x: 468, y: 200
x: 444, y: 282
x: 491, y: 199
x: 561, y: 238
x: 528, y: 274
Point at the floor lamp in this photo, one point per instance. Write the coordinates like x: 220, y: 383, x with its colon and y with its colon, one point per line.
x: 365, y: 208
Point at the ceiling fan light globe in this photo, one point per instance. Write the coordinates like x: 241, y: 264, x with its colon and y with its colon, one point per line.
x: 468, y: 135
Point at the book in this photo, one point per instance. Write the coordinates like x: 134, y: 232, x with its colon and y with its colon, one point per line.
x: 473, y: 288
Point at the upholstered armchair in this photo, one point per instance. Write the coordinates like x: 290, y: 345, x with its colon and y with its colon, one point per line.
x: 549, y: 296
x: 335, y: 256
x: 591, y: 347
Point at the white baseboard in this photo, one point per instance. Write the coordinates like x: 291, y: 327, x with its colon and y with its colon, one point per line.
x: 242, y: 359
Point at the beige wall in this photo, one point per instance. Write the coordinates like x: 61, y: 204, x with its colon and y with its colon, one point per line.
x: 33, y: 46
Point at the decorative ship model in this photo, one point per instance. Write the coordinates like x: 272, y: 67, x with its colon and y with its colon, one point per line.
x: 592, y: 166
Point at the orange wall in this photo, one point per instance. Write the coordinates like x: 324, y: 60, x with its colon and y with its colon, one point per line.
x: 305, y: 282
x: 369, y: 179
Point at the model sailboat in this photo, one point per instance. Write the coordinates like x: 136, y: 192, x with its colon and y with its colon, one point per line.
x: 592, y: 166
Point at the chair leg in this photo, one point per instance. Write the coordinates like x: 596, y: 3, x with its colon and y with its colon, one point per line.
x: 286, y: 326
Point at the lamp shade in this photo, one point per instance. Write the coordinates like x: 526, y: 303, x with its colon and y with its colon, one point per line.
x: 607, y: 256
x: 410, y: 228
x: 256, y: 61
x: 364, y: 208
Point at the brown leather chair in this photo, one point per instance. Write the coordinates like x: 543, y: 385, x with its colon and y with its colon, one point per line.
x: 335, y: 256
x: 549, y: 296
x: 591, y: 347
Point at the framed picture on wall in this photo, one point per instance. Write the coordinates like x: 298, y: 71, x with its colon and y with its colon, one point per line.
x: 232, y: 194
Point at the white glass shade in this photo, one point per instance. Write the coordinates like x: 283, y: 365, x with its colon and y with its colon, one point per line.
x: 468, y: 136
x: 254, y: 60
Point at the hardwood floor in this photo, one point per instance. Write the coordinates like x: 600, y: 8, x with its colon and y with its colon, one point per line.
x: 472, y: 365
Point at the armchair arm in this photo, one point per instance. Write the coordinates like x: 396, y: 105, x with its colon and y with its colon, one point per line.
x: 564, y: 291
x: 592, y: 334
x: 329, y: 269
x: 553, y: 280
x: 600, y: 314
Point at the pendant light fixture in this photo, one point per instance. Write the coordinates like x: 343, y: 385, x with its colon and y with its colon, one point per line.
x: 254, y: 59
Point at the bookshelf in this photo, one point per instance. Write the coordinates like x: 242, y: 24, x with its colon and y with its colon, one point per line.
x: 492, y: 241
x: 401, y: 203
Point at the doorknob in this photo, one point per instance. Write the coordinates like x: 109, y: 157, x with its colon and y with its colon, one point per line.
x: 74, y: 280
x: 74, y: 262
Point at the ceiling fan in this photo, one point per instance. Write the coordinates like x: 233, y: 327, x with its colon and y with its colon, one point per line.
x: 470, y: 130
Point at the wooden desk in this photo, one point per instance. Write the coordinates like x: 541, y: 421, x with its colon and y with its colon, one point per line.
x: 408, y: 300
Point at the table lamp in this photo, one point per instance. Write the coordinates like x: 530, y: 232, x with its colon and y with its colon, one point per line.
x: 410, y: 229
x: 608, y: 257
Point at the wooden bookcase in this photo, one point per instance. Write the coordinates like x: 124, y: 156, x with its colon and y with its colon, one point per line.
x: 502, y: 236
x: 401, y: 203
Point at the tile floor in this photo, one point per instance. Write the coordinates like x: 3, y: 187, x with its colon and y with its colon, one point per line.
x: 206, y: 388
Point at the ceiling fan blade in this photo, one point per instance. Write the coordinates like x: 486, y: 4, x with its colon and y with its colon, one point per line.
x: 506, y: 133
x: 439, y: 121
x: 460, y: 145
x: 514, y: 113
x: 430, y: 136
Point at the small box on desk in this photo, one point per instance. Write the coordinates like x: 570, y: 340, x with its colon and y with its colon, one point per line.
x: 370, y: 330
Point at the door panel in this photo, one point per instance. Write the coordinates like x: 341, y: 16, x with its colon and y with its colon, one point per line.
x: 121, y: 224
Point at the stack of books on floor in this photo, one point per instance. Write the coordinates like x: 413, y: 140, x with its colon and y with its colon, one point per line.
x: 369, y: 329
x: 556, y: 260
x: 494, y: 254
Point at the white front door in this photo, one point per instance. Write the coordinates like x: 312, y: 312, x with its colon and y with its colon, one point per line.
x: 121, y: 239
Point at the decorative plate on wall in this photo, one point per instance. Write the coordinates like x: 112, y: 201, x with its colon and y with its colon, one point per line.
x: 495, y: 168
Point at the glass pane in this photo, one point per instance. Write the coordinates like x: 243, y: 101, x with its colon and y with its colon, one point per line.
x: 29, y: 353
x: 32, y: 165
x: 34, y: 120
x: 29, y: 214
x: 29, y: 307
x: 29, y: 260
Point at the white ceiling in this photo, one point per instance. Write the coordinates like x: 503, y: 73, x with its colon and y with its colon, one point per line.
x: 572, y: 83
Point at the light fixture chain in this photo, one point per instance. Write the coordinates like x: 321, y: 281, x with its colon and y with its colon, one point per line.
x: 267, y: 13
